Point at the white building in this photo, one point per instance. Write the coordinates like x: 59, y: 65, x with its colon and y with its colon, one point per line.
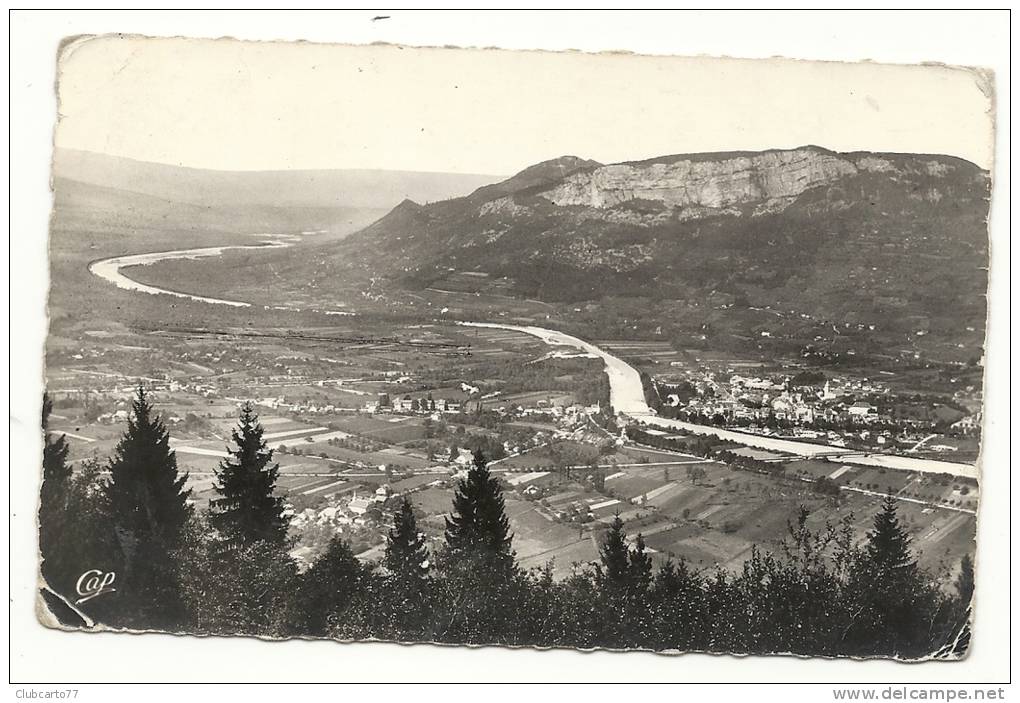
x: 359, y: 506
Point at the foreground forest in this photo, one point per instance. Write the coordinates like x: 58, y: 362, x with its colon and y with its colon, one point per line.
x: 227, y: 570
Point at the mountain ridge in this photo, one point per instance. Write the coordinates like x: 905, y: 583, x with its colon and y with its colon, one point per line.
x: 350, y: 188
x: 896, y: 240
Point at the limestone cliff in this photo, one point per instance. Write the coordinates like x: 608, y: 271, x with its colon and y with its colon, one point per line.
x: 831, y: 240
x: 717, y: 183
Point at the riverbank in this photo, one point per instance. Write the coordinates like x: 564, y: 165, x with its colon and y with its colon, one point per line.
x: 110, y: 269
x: 626, y: 391
x: 628, y: 399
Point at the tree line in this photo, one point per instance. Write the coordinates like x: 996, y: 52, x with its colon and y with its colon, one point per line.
x: 227, y: 569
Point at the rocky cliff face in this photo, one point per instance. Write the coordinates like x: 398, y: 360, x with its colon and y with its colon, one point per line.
x: 833, y: 240
x: 699, y: 183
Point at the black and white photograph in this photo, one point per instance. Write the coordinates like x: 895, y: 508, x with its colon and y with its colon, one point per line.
x: 531, y: 349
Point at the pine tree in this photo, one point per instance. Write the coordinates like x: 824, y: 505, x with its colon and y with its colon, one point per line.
x: 959, y: 630
x: 81, y: 538
x: 640, y: 568
x: 614, y: 555
x: 247, y: 509
x: 55, y: 450
x: 328, y: 587
x: 250, y: 589
x: 478, y: 525
x: 53, y: 495
x: 965, y: 581
x: 146, y: 491
x: 677, y: 608
x: 74, y: 531
x: 894, y: 604
x: 407, y: 558
x: 477, y: 596
x: 639, y: 630
x: 888, y: 544
x: 401, y: 609
x: 150, y: 509
x: 624, y: 578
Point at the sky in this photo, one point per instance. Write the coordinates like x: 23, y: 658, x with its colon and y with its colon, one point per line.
x: 233, y: 105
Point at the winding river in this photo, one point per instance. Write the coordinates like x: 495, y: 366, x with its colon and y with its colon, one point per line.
x: 627, y: 397
x: 110, y: 269
x: 625, y: 390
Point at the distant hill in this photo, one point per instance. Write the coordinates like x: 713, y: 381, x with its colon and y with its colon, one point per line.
x: 363, y: 189
x: 116, y: 201
x: 87, y: 210
x: 826, y: 241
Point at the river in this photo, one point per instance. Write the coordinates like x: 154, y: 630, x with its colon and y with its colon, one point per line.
x: 626, y: 393
x: 110, y: 269
x: 627, y: 397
